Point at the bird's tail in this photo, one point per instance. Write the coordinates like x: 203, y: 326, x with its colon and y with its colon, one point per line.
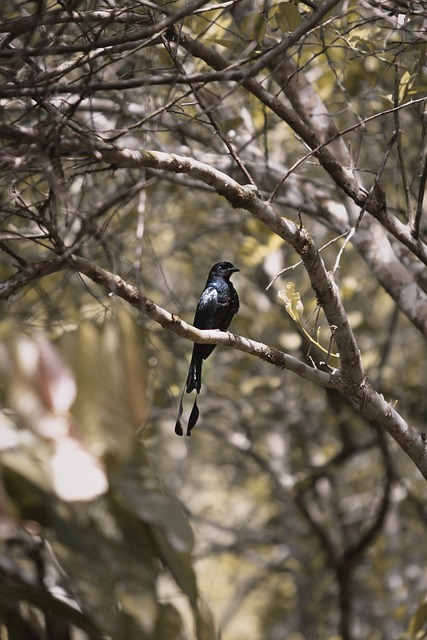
x: 194, y: 381
x: 194, y: 378
x: 192, y: 420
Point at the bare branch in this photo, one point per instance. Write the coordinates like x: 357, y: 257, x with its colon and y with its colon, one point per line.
x: 115, y: 285
x: 420, y: 200
x: 123, y: 42
x: 341, y: 175
x: 28, y: 275
x: 369, y: 401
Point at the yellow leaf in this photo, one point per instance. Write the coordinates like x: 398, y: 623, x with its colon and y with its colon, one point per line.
x: 295, y: 308
x: 292, y: 301
x: 404, y: 84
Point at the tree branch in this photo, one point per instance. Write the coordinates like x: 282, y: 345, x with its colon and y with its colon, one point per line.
x: 115, y: 285
x: 246, y: 197
x: 409, y: 296
x: 28, y: 274
x: 125, y: 42
x: 364, y: 395
x: 341, y: 175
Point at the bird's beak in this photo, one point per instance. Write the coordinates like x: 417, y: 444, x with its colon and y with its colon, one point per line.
x: 234, y: 269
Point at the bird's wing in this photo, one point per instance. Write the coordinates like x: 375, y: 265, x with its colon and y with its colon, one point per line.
x: 233, y: 308
x: 235, y: 303
x: 206, y: 309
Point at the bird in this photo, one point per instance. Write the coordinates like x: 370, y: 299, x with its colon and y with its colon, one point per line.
x: 217, y: 305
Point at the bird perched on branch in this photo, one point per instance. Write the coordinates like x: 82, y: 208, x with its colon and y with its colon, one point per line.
x: 217, y: 305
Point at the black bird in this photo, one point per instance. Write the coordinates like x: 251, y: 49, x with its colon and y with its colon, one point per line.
x: 217, y: 305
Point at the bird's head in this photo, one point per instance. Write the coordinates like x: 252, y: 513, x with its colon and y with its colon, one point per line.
x: 223, y: 269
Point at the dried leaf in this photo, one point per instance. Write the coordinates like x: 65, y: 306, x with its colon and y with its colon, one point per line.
x: 292, y: 301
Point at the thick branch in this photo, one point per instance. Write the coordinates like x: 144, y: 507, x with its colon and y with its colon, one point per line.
x: 246, y: 197
x: 28, y: 274
x: 375, y: 406
x: 371, y: 239
x: 369, y: 401
x: 114, y: 284
x: 364, y: 395
x: 340, y: 174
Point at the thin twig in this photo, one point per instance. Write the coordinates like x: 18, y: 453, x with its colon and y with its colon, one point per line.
x: 208, y: 111
x: 402, y: 165
x: 300, y: 262
x: 349, y: 234
x: 339, y: 134
x: 420, y: 200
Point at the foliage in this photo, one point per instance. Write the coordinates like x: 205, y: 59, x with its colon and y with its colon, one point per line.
x: 140, y: 145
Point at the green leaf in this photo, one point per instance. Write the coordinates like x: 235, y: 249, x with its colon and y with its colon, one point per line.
x: 169, y: 623
x: 227, y: 43
x: 254, y: 26
x: 287, y: 17
x: 156, y: 508
x: 19, y: 592
x: 110, y: 575
x: 179, y: 564
x: 170, y: 531
x: 419, y: 621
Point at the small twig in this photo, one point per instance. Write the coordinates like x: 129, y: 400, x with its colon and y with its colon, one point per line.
x: 208, y: 111
x: 349, y: 234
x: 403, y: 173
x: 140, y: 228
x: 389, y: 342
x: 376, y: 189
x: 300, y: 262
x: 20, y: 261
x: 333, y: 328
x: 340, y: 134
x: 420, y: 200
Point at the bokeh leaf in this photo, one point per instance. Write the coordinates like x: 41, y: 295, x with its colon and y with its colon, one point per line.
x: 254, y: 25
x: 287, y: 16
x: 419, y: 622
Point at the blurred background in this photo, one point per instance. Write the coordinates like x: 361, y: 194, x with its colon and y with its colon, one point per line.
x: 287, y: 514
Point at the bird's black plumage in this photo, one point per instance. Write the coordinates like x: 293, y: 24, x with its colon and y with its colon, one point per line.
x: 217, y: 305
